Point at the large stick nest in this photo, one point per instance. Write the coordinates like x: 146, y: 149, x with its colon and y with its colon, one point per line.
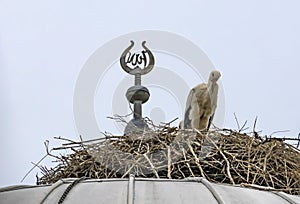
x: 222, y: 156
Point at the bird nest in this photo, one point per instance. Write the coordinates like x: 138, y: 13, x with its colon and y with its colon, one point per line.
x: 221, y: 156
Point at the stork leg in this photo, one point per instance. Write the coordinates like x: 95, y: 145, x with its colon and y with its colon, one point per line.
x: 210, y: 121
x: 187, y: 121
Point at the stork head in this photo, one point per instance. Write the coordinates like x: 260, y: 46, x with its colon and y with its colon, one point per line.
x: 214, y: 76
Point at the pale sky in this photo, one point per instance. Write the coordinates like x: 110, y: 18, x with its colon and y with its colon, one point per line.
x: 44, y: 45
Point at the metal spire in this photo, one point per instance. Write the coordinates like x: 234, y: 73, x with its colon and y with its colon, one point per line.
x: 142, y: 63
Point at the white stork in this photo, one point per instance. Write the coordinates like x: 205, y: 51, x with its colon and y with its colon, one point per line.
x: 201, y: 104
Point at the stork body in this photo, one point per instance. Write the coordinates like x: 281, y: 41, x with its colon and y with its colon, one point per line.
x: 201, y: 104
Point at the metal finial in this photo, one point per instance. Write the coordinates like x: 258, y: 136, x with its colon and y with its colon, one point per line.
x: 137, y: 64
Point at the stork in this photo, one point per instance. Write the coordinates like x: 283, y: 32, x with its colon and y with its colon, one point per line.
x: 201, y: 104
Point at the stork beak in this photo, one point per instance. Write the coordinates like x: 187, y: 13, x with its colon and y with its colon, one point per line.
x: 218, y: 77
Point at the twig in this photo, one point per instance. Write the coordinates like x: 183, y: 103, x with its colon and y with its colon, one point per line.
x: 226, y: 160
x: 46, y: 143
x: 280, y: 131
x: 65, y: 139
x: 168, y: 123
x: 35, y: 165
x: 242, y: 128
x: 254, y: 125
x: 152, y: 167
x: 169, y: 163
x: 197, y: 160
x: 150, y: 122
x: 298, y: 140
x: 187, y: 163
x: 265, y: 188
x: 236, y: 120
x: 84, y: 141
x: 118, y: 118
x: 128, y: 171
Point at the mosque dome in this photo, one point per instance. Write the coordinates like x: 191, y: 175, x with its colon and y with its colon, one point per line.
x: 142, y: 190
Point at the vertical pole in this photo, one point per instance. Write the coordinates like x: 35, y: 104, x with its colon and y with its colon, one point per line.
x: 137, y: 108
x: 137, y: 105
x: 131, y: 189
x: 138, y: 78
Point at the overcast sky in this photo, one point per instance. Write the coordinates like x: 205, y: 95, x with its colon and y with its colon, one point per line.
x: 44, y: 45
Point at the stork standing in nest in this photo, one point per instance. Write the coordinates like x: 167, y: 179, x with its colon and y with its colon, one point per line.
x: 201, y: 104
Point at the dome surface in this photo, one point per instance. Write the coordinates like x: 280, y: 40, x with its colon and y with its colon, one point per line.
x: 141, y: 191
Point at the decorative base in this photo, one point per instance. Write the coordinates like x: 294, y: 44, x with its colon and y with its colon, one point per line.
x: 136, y: 126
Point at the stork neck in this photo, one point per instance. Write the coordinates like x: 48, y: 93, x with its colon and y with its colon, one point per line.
x: 212, y: 86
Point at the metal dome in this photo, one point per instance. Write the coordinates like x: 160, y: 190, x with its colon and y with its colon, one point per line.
x: 141, y: 190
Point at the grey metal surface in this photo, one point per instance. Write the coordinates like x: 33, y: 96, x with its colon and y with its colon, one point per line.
x: 289, y: 198
x: 234, y: 195
x: 146, y: 191
x: 172, y: 192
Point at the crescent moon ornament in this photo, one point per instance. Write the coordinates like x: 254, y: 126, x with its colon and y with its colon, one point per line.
x: 137, y: 59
